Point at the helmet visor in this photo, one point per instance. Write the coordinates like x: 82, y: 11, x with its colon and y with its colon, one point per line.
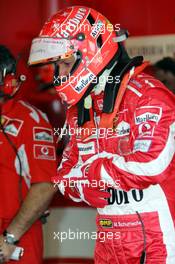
x: 45, y: 50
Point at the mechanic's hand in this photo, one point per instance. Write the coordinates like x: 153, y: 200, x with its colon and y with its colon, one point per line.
x: 93, y: 195
x: 6, y: 250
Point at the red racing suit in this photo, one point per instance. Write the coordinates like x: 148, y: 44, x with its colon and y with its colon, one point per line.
x: 138, y: 160
x: 32, y: 137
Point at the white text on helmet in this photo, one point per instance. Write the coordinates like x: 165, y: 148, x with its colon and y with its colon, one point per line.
x: 72, y: 24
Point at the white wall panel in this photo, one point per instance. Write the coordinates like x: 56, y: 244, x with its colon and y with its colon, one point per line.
x: 74, y: 219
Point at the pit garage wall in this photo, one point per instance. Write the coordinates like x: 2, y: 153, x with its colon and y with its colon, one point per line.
x: 70, y: 234
x: 20, y: 21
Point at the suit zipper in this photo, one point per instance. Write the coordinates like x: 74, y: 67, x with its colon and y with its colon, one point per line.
x: 97, y: 133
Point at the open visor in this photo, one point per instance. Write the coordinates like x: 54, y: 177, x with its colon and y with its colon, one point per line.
x: 45, y: 50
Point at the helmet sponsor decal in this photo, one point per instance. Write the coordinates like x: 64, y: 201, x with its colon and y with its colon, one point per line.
x: 72, y: 24
x: 80, y: 83
x: 96, y: 30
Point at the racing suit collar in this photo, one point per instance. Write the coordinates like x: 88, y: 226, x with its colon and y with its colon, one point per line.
x: 106, y: 120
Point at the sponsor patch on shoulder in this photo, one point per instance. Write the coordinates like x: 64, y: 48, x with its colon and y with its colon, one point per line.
x: 148, y: 113
x: 106, y: 223
x: 12, y: 126
x: 44, y: 152
x: 42, y: 134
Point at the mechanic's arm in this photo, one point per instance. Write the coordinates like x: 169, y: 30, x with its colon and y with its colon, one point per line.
x: 34, y: 205
x: 31, y: 209
x: 151, y: 152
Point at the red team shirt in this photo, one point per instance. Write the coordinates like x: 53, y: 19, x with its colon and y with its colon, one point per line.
x: 29, y: 130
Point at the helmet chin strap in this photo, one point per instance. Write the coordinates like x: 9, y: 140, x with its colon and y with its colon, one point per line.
x: 83, y: 113
x: 100, y: 87
x: 103, y: 78
x: 124, y: 65
x: 121, y: 66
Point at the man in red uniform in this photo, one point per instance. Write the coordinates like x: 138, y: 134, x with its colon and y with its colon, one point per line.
x: 27, y: 162
x: 122, y: 135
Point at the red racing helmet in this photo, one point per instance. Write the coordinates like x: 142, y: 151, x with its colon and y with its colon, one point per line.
x: 81, y: 31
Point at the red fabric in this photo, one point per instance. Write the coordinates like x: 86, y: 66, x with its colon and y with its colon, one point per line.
x: 24, y: 125
x: 125, y: 243
x: 143, y: 129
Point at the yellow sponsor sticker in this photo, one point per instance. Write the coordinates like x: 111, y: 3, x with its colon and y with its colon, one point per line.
x: 106, y: 223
